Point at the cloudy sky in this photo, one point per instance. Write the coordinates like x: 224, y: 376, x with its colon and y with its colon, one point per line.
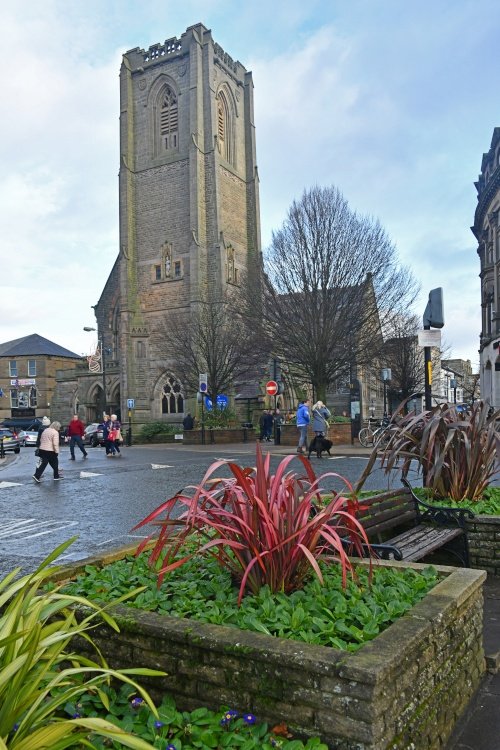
x: 394, y: 103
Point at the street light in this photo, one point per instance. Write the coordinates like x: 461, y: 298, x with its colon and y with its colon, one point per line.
x: 386, y: 375
x: 88, y: 329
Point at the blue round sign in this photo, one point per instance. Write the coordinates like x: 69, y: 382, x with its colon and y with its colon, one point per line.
x: 222, y: 402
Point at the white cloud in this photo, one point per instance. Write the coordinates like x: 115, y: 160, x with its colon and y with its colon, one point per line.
x: 392, y: 103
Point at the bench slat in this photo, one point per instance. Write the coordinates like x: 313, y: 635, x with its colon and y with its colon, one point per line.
x: 422, y: 540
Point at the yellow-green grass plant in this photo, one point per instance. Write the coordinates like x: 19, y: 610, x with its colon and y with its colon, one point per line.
x: 40, y: 672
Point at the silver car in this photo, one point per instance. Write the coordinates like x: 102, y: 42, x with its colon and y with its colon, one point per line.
x: 27, y: 437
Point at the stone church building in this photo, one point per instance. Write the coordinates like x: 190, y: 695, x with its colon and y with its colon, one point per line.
x: 189, y: 217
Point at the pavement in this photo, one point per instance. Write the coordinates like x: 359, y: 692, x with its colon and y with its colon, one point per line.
x: 479, y: 726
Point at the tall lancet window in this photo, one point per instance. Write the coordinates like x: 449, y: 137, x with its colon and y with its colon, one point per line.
x: 169, y: 120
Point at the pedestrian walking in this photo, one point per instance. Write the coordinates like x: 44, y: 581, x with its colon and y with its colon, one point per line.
x: 268, y: 426
x: 303, y: 419
x: 262, y: 425
x: 114, y: 436
x: 320, y: 415
x: 45, y: 423
x: 75, y: 432
x: 49, y: 451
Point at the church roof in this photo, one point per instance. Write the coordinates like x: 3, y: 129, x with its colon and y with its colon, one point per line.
x: 34, y: 345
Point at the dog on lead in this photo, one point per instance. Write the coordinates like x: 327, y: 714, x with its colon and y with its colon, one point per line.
x: 318, y: 445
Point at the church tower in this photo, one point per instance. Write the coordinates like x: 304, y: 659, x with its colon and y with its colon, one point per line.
x: 189, y: 206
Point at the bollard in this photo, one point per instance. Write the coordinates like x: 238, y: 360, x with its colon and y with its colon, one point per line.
x: 2, y: 452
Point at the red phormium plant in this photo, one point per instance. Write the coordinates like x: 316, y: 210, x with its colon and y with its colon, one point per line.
x: 457, y: 452
x: 264, y: 528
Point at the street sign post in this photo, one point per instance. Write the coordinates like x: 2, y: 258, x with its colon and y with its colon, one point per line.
x: 203, y: 388
x: 203, y: 382
x: 271, y: 388
x: 130, y: 403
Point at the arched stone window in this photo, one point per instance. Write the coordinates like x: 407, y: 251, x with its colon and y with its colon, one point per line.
x: 224, y: 128
x: 172, y: 397
x: 168, y: 120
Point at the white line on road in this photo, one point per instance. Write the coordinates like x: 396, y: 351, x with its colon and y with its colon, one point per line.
x: 336, y: 458
x: 4, y: 485
x: 161, y: 466
x: 87, y: 474
x: 18, y: 527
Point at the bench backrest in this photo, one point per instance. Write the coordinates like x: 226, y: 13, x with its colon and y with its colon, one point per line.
x: 387, y: 510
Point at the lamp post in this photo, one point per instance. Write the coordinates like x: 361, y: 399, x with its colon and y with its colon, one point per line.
x: 103, y: 365
x: 453, y: 385
x: 386, y: 376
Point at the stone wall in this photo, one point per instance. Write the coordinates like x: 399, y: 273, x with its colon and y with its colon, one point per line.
x: 406, y: 689
x: 229, y: 435
x: 484, y: 543
x: 339, y: 433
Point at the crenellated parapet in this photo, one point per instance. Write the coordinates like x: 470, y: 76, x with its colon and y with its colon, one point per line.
x: 157, y: 51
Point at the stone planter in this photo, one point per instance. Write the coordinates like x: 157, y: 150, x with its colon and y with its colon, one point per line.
x: 162, y: 437
x: 406, y: 689
x: 484, y: 543
x: 339, y: 433
x: 226, y: 435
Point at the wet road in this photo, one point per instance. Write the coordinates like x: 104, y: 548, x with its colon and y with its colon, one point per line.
x: 101, y: 499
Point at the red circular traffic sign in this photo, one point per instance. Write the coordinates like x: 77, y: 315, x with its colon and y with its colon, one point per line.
x: 271, y: 388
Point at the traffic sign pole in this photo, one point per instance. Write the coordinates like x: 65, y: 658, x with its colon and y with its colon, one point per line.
x: 271, y: 388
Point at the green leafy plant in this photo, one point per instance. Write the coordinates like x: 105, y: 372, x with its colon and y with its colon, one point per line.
x: 322, y: 614
x: 456, y: 452
x: 40, y: 673
x: 264, y: 528
x: 150, y: 430
x: 219, y: 418
x: 172, y: 729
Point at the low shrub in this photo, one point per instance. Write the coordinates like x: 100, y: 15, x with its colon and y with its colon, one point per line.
x: 150, y: 430
x: 220, y: 419
x: 323, y: 614
x: 171, y: 729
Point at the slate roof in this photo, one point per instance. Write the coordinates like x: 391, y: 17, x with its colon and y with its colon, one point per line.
x: 34, y: 345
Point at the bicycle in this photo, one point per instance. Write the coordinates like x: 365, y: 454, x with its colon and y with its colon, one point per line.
x: 370, y: 438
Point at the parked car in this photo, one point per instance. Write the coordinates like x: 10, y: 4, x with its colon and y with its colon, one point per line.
x: 94, y: 435
x: 9, y: 441
x: 27, y: 437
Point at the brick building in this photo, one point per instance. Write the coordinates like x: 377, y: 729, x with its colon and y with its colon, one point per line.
x: 189, y: 214
x: 28, y: 369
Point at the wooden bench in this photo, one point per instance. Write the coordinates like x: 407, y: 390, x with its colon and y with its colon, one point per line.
x: 400, y: 526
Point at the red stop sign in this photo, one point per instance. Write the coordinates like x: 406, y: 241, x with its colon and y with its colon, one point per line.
x: 271, y: 388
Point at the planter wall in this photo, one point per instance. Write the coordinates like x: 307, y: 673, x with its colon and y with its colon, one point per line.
x: 157, y: 439
x: 484, y: 543
x: 339, y: 433
x: 228, y: 435
x: 407, y: 688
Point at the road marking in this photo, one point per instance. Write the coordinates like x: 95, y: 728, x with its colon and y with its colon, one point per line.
x: 28, y: 528
x: 3, y: 485
x: 161, y: 466
x: 336, y: 458
x: 87, y: 474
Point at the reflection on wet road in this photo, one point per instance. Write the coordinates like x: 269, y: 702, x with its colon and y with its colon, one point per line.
x: 100, y: 499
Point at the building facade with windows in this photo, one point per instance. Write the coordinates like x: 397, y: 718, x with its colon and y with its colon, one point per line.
x: 486, y: 229
x: 189, y: 212
x: 28, y: 369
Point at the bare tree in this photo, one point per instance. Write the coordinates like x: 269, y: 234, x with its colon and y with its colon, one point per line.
x: 212, y: 340
x: 331, y: 284
x: 404, y: 357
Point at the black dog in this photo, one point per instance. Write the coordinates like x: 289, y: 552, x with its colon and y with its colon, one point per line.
x: 319, y: 444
